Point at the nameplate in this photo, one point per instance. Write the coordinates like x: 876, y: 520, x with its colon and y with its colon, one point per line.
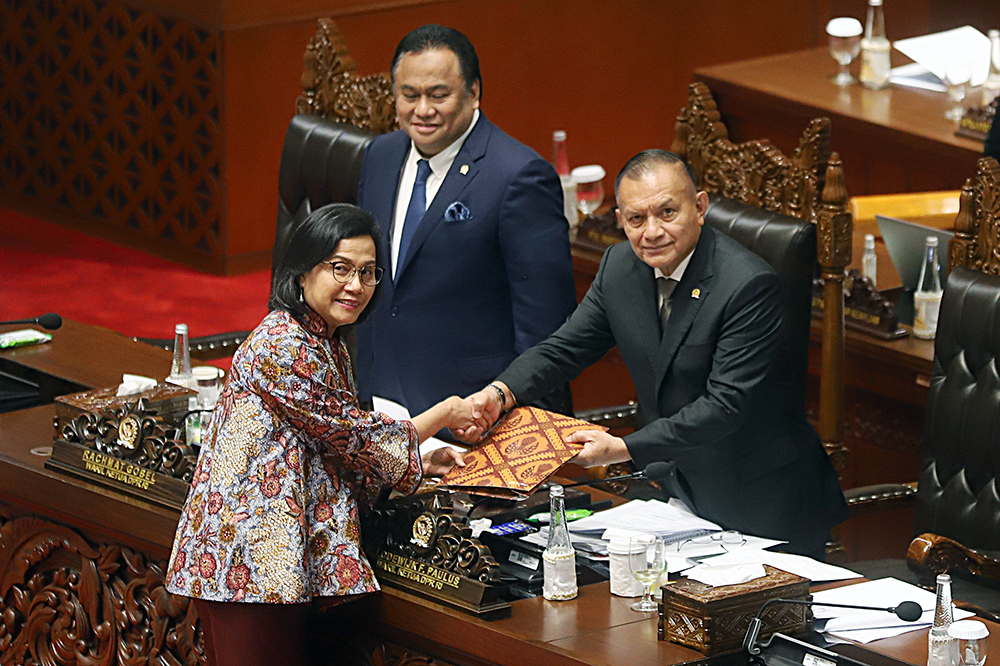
x: 117, y: 474
x: 420, y: 573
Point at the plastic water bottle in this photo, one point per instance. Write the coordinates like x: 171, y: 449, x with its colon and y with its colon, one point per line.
x: 560, y: 160
x: 875, y: 49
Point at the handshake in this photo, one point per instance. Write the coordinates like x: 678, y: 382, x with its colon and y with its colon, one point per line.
x: 470, y: 418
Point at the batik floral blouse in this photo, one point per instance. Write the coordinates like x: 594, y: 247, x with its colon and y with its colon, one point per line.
x: 272, y: 514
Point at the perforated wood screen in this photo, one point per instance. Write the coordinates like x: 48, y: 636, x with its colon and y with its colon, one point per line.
x: 112, y: 114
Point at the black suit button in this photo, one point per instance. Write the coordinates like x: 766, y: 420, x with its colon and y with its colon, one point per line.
x: 394, y: 311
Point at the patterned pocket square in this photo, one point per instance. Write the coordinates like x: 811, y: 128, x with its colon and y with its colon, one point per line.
x: 457, y: 212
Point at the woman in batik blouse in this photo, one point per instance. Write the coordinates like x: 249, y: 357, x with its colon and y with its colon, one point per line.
x: 271, y: 520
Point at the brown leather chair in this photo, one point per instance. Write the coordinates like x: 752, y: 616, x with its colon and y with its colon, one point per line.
x: 957, y: 498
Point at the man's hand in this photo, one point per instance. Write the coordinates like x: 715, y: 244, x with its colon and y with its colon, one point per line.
x: 599, y: 448
x: 439, y: 461
x: 486, y: 408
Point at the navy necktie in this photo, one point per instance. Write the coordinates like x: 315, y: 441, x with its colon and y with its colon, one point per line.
x: 415, y: 211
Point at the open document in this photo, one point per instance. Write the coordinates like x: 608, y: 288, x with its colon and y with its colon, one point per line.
x: 932, y: 53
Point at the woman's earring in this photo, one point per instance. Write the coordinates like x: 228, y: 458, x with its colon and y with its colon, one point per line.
x: 302, y: 294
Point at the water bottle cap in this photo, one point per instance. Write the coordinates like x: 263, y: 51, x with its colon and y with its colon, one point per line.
x: 932, y: 241
x: 869, y: 242
x: 968, y: 630
x: 181, y: 329
x: 559, y: 135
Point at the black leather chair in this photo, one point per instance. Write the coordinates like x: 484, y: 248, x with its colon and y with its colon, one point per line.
x: 957, y: 499
x: 320, y: 165
x: 788, y: 244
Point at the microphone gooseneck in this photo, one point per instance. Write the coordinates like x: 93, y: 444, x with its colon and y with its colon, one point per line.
x: 910, y: 611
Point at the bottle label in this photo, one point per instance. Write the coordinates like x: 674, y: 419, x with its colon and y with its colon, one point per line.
x: 926, y: 306
x: 559, y: 575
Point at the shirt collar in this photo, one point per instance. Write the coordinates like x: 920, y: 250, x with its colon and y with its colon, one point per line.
x: 441, y: 162
x: 679, y: 271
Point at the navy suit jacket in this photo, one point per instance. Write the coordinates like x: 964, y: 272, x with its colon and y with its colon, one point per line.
x: 712, y: 396
x: 471, y: 294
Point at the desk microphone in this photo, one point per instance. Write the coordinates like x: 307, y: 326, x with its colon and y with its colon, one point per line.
x: 909, y: 611
x: 654, y: 471
x: 50, y: 321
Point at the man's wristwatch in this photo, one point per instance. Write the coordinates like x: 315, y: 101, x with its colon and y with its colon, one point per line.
x: 500, y: 395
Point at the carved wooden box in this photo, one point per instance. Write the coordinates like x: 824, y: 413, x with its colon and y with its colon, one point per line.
x: 168, y: 401
x: 715, y: 619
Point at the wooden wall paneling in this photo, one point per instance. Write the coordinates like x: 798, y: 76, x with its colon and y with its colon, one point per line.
x: 66, y: 600
x: 110, y: 118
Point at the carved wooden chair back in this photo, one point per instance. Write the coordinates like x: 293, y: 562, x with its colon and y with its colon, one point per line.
x: 331, y: 88
x: 809, y: 185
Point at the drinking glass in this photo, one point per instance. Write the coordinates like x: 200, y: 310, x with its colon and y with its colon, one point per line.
x: 589, y: 187
x: 209, y: 380
x: 957, y: 73
x: 845, y: 44
x: 646, y: 562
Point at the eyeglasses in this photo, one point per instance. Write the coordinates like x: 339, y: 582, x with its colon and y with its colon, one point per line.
x: 729, y: 540
x: 344, y: 272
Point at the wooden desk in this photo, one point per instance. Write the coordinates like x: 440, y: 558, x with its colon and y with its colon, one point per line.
x: 89, y: 553
x: 892, y: 140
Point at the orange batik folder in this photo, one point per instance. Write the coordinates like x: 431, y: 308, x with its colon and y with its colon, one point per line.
x: 522, y: 452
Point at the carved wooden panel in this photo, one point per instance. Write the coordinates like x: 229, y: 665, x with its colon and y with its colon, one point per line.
x: 754, y: 172
x: 112, y: 113
x: 332, y: 89
x: 977, y: 228
x: 65, y: 600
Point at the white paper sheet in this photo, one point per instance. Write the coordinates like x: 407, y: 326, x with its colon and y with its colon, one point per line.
x: 934, y: 51
x: 866, y: 626
x: 671, y: 520
x: 799, y: 565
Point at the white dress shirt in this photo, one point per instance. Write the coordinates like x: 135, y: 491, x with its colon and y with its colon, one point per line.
x: 676, y: 275
x: 440, y: 164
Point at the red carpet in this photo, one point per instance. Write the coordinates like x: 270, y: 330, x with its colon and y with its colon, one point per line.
x: 48, y: 268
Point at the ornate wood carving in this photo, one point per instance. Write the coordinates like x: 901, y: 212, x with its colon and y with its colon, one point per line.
x: 931, y: 554
x: 111, y: 113
x: 332, y: 89
x: 64, y: 600
x: 755, y: 172
x: 976, y: 244
x: 417, y: 544
x: 135, y: 434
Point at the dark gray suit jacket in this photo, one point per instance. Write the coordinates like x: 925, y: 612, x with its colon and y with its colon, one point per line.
x: 711, y: 395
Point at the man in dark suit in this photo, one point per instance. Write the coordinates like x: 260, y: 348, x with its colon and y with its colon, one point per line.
x: 702, y: 350
x: 480, y: 262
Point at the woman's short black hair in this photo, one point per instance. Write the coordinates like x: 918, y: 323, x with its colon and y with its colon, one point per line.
x: 313, y: 241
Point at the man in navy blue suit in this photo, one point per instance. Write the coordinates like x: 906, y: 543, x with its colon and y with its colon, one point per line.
x: 480, y: 266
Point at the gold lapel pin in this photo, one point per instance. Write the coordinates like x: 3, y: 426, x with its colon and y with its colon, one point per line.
x: 464, y: 170
x: 696, y: 293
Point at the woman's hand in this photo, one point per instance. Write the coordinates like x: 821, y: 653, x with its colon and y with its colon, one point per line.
x: 439, y: 461
x: 453, y: 413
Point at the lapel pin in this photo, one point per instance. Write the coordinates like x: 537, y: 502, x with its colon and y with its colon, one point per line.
x: 464, y: 170
x: 696, y: 293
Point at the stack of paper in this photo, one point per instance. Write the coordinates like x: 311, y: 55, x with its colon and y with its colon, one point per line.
x: 673, y: 521
x: 865, y: 626
x: 932, y: 53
